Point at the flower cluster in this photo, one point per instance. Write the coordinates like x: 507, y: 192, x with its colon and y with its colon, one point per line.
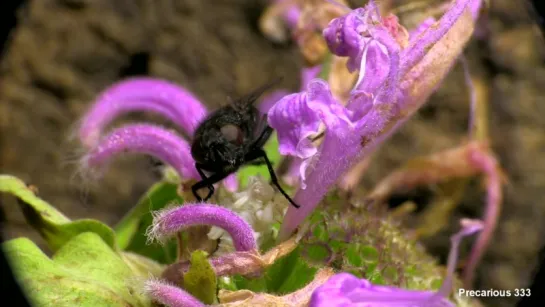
x: 260, y: 206
x: 397, y: 73
x: 347, y: 290
x: 340, y: 290
x: 397, y: 70
x: 143, y: 94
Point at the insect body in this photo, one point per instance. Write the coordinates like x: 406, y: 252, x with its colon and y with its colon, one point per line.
x: 229, y: 138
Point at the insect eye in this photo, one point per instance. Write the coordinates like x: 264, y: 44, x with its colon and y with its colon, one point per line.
x: 232, y: 134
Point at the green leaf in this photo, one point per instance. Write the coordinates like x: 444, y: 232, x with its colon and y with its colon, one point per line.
x: 253, y: 284
x: 141, y: 265
x: 227, y: 283
x: 131, y: 230
x: 54, y: 227
x: 300, y: 276
x: 289, y: 273
x: 85, y: 271
x: 200, y: 280
x: 271, y: 148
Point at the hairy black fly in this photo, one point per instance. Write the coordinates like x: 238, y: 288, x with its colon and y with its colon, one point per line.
x: 231, y: 137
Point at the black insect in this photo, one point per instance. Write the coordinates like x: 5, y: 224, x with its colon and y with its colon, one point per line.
x: 231, y: 137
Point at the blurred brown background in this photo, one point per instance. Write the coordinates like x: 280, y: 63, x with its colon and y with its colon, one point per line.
x: 63, y: 52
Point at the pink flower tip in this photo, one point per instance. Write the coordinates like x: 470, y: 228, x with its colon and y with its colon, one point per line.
x: 168, y: 222
x: 170, y: 295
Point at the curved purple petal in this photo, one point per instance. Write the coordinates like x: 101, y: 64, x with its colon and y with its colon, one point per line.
x: 343, y: 38
x: 298, y: 116
x: 170, y: 295
x: 348, y: 35
x: 168, y: 222
x: 294, y: 122
x: 145, y: 139
x: 373, y: 68
x: 321, y: 101
x: 355, y: 36
x: 141, y: 94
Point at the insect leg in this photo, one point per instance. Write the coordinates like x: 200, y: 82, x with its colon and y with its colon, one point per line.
x: 261, y: 153
x: 207, y: 182
x: 201, y: 184
x: 263, y: 138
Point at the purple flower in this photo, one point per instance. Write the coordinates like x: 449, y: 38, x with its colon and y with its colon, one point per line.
x: 169, y: 222
x: 144, y: 95
x: 148, y: 139
x: 397, y: 75
x: 347, y: 290
x: 141, y: 95
x: 344, y: 35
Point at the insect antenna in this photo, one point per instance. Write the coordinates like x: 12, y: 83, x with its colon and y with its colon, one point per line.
x: 246, y: 101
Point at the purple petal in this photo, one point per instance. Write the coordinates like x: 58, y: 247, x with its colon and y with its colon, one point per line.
x: 359, y: 35
x: 321, y: 101
x: 375, y: 65
x: 294, y: 122
x: 145, y: 139
x: 421, y: 46
x: 373, y: 68
x: 168, y: 222
x: 298, y: 116
x: 142, y: 94
x: 170, y: 295
x: 343, y: 36
x: 345, y: 142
